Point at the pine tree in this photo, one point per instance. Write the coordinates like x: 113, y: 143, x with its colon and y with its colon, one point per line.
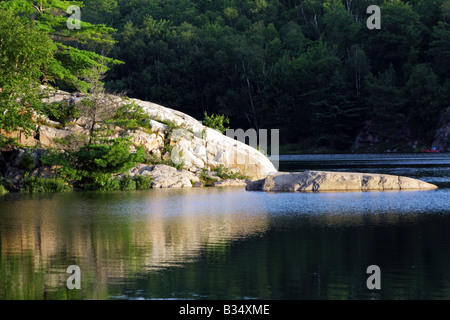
x: 24, y: 53
x: 73, y: 58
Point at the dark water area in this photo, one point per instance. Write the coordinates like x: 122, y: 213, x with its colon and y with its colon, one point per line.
x: 232, y: 244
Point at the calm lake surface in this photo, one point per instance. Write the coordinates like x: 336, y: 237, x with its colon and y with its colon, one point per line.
x: 233, y: 244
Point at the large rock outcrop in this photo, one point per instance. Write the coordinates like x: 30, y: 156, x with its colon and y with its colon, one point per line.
x: 199, y: 148
x: 324, y: 181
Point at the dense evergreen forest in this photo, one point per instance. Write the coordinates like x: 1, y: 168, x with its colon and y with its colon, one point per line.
x: 310, y: 68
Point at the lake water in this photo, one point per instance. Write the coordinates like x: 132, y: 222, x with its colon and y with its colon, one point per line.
x: 233, y: 244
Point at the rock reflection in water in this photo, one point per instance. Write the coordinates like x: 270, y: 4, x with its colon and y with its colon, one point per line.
x: 111, y: 236
x: 224, y: 244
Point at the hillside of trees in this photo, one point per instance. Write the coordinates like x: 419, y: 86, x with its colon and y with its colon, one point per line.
x: 310, y: 68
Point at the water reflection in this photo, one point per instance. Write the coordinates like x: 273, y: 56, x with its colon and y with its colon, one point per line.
x: 111, y: 236
x: 226, y: 244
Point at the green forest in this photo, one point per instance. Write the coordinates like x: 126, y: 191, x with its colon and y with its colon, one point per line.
x: 311, y: 68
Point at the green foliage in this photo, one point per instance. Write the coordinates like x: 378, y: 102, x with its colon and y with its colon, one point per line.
x: 6, y: 142
x: 3, y: 190
x: 26, y: 162
x: 131, y: 117
x: 93, y: 166
x: 40, y: 185
x: 24, y: 53
x: 55, y: 157
x: 226, y: 173
x: 338, y: 116
x: 216, y: 122
x: 71, y: 142
x: 165, y: 157
x: 143, y: 182
x: 69, y: 64
x: 223, y: 173
x: 170, y: 125
x: 206, y: 179
x: 398, y: 40
x: 423, y: 89
x: 101, y: 181
x: 127, y: 183
x: 61, y: 112
x: 110, y: 156
x: 439, y: 51
x: 385, y: 98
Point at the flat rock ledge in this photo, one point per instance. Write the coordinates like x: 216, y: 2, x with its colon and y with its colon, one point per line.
x: 325, y: 181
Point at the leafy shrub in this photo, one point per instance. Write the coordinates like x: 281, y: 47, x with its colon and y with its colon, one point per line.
x: 131, y: 117
x: 129, y: 124
x: 3, y: 190
x: 71, y: 142
x: 216, y: 122
x: 55, y: 157
x: 41, y: 185
x: 102, y: 181
x: 225, y: 173
x: 61, y: 112
x: 7, y: 142
x: 206, y: 179
x: 64, y: 161
x: 127, y: 183
x: 170, y: 125
x: 91, y: 167
x: 143, y: 182
x: 112, y: 156
x: 26, y: 162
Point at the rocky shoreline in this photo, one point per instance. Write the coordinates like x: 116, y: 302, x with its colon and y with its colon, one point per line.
x: 160, y: 175
x: 182, y: 152
x: 164, y: 176
x: 203, y: 156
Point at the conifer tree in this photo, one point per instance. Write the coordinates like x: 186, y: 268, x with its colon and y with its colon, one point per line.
x: 73, y: 57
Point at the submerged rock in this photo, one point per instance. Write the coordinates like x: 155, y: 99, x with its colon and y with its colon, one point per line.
x: 324, y: 181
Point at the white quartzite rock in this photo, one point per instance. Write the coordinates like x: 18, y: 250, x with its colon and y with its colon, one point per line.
x: 202, y: 147
x: 165, y: 176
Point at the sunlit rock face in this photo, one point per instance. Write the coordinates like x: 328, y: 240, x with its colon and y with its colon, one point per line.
x: 196, y: 146
x: 201, y: 147
x: 323, y: 181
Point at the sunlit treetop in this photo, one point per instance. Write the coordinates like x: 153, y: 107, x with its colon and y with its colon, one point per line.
x: 78, y: 50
